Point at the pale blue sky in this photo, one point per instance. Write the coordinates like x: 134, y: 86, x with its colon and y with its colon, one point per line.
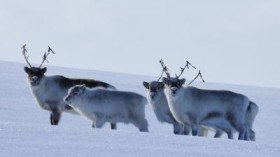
x: 234, y: 42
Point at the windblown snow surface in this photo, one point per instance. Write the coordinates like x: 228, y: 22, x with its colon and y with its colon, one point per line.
x: 25, y: 129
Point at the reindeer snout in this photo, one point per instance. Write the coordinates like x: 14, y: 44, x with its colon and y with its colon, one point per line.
x: 152, y: 95
x: 174, y: 90
x: 34, y: 79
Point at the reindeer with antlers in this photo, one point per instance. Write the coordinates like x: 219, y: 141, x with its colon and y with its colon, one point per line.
x: 159, y: 103
x: 225, y: 110
x: 158, y: 100
x: 50, y: 91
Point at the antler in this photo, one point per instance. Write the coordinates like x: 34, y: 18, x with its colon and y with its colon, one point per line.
x: 160, y: 76
x: 183, y: 69
x: 164, y: 69
x: 199, y: 74
x: 24, y: 52
x: 46, y: 55
x: 188, y: 63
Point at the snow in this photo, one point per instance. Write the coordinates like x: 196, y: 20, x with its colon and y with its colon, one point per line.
x: 25, y: 128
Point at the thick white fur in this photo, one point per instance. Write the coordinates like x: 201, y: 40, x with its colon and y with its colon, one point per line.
x: 161, y: 109
x: 48, y: 93
x: 162, y: 112
x: 191, y: 106
x: 101, y: 105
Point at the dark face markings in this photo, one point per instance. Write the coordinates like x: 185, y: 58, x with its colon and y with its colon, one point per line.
x: 35, y: 74
x: 155, y: 86
x: 174, y: 82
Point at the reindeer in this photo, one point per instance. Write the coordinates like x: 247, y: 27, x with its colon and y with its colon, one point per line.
x: 102, y: 105
x: 159, y: 103
x: 49, y: 91
x: 224, y: 110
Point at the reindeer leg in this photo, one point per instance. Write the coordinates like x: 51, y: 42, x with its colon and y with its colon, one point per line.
x: 202, y: 131
x: 113, y: 126
x: 100, y: 120
x: 230, y: 134
x: 187, y: 129
x: 218, y: 133
x: 100, y: 123
x: 55, y: 117
x: 194, y: 129
x: 93, y: 124
x: 252, y: 135
x: 247, y: 134
x: 241, y: 134
x: 141, y: 123
x: 51, y: 119
x: 178, y: 129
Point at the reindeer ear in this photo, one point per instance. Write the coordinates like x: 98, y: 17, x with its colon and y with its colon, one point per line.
x: 146, y: 85
x: 182, y: 81
x: 27, y: 70
x: 44, y: 70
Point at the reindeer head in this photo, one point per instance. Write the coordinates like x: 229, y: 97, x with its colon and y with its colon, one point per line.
x: 74, y: 92
x: 35, y: 74
x: 175, y: 83
x: 154, y: 88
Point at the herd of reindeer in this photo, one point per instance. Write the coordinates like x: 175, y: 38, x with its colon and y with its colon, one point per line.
x: 189, y: 109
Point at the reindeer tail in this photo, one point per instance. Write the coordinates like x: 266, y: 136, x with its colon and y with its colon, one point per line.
x: 251, y: 113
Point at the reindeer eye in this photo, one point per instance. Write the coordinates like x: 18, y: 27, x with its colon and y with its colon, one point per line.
x: 75, y: 93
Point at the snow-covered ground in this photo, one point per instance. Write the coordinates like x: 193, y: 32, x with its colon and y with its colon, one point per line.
x: 25, y: 128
